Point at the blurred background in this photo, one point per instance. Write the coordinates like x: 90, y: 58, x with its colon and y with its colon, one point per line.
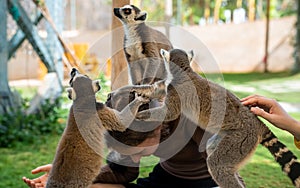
x: 248, y: 46
x: 234, y: 31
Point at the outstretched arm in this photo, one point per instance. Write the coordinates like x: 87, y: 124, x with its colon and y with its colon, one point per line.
x: 128, y: 114
x: 272, y: 111
x: 118, y: 172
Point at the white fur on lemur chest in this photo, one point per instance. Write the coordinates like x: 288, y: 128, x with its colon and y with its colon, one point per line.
x: 133, y: 43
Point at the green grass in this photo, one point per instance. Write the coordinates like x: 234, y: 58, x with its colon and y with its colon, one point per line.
x: 280, y: 86
x: 260, y: 171
x: 19, y: 161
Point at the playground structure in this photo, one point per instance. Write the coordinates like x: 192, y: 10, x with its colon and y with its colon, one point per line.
x: 52, y: 61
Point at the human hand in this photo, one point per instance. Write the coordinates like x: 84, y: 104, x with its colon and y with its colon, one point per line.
x: 272, y: 111
x: 41, y: 181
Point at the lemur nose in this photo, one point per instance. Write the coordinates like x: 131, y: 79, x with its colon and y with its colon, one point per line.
x: 73, y: 72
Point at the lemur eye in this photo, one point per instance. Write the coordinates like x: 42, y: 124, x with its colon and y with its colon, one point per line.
x: 127, y: 11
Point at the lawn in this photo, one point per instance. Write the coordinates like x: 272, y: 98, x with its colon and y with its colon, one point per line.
x: 260, y: 171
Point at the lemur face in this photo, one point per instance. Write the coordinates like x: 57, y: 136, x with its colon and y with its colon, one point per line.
x: 177, y: 56
x: 81, y: 83
x: 130, y: 14
x: 120, y: 98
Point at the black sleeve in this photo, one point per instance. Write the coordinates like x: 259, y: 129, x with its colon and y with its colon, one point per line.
x: 120, y: 169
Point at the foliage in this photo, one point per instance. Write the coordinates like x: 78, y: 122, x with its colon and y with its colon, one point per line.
x: 17, y: 126
x: 19, y: 160
x: 193, y: 10
x: 260, y: 171
x: 105, y: 87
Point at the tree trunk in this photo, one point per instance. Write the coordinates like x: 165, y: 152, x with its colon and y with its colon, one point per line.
x: 239, y: 3
x: 296, y: 67
x: 265, y: 60
x: 217, y: 10
x: 207, y: 10
x: 119, y: 73
x: 251, y: 8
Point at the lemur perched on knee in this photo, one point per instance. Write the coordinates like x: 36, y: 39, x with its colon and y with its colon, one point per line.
x: 79, y: 153
x: 217, y: 110
x: 141, y: 46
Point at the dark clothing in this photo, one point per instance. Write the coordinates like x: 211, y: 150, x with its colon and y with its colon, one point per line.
x: 159, y: 178
x: 182, y: 162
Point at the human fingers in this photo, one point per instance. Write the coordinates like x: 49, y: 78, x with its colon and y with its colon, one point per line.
x: 44, y: 168
x: 260, y: 112
x: 39, y: 185
x: 29, y: 182
x: 26, y: 180
x: 37, y: 180
x: 250, y: 100
x: 249, y: 97
x: 259, y: 101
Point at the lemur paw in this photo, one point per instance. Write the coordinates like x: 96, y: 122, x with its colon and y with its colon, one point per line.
x: 144, y: 90
x: 143, y: 115
x: 142, y: 99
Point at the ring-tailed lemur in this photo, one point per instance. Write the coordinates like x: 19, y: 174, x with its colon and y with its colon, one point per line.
x: 142, y: 46
x: 78, y: 155
x: 203, y: 102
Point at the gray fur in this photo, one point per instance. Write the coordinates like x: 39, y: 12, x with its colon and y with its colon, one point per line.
x: 141, y: 46
x: 79, y: 153
x: 215, y: 109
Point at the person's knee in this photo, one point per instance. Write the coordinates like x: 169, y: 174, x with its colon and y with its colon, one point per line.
x: 99, y: 185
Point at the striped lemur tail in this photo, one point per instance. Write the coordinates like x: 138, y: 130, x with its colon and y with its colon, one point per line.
x: 286, y: 159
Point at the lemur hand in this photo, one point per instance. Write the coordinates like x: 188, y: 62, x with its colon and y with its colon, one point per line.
x: 143, y: 115
x: 143, y: 99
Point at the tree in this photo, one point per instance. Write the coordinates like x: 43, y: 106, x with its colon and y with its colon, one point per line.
x: 296, y: 68
x: 119, y: 76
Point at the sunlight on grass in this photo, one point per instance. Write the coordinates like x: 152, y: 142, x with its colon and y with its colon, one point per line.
x: 18, y: 162
x: 147, y: 164
x: 260, y: 171
x: 280, y: 86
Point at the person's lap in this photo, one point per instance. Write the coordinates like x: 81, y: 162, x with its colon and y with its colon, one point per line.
x: 159, y: 178
x: 99, y: 185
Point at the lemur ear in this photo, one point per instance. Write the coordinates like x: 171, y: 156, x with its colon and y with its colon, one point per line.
x: 165, y: 54
x: 96, y: 86
x: 141, y: 16
x: 71, y: 93
x: 190, y: 55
